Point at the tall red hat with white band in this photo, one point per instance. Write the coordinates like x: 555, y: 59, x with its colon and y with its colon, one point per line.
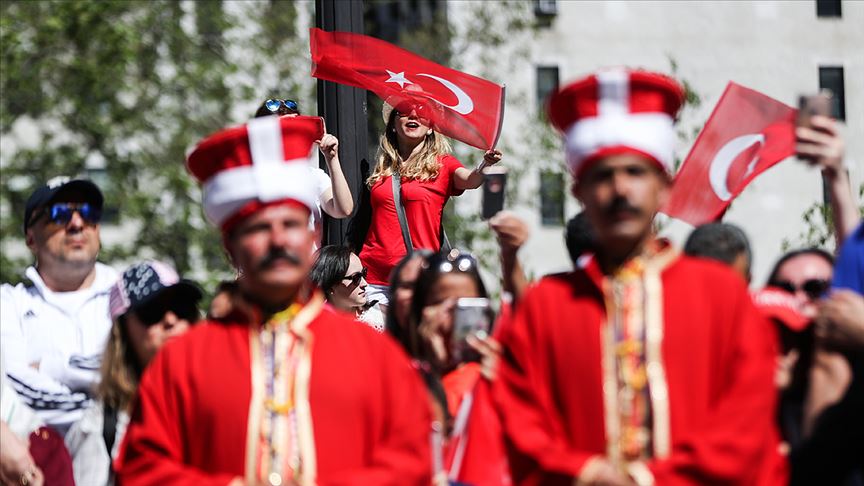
x: 262, y: 162
x: 617, y: 111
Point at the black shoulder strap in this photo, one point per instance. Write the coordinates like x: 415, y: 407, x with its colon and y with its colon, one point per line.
x: 400, y: 211
x: 445, y: 242
x: 109, y: 427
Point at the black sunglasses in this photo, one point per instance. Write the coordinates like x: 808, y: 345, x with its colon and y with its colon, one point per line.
x: 356, y: 277
x: 61, y: 213
x: 273, y: 105
x: 814, y: 288
x: 154, y: 312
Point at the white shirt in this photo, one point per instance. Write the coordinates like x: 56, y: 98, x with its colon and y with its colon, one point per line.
x: 52, y: 343
x: 322, y: 183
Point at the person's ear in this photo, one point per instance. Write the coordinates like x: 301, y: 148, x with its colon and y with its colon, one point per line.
x: 30, y: 240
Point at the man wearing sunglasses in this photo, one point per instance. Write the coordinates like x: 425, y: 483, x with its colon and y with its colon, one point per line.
x: 641, y: 366
x: 55, y: 324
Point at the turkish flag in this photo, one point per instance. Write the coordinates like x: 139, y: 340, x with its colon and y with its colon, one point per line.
x: 746, y: 134
x: 459, y: 105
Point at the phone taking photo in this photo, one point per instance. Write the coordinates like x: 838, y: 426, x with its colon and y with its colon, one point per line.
x: 471, y: 316
x: 808, y: 106
x: 495, y: 183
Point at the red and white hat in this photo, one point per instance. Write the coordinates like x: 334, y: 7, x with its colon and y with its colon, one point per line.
x: 260, y: 163
x: 617, y: 111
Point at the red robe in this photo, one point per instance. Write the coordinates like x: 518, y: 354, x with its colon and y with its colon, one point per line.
x: 369, y: 410
x: 717, y: 361
x: 474, y: 453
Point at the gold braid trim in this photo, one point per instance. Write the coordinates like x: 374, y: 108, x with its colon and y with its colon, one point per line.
x: 654, y: 323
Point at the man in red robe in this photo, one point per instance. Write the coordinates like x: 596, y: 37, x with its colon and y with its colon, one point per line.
x: 645, y: 366
x: 281, y: 391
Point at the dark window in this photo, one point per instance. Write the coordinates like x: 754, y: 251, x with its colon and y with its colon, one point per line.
x: 547, y: 83
x: 831, y: 79
x: 552, y: 198
x: 828, y: 8
x: 545, y: 8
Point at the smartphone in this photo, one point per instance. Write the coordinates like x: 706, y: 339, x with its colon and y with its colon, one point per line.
x: 471, y: 316
x: 493, y: 190
x: 808, y: 106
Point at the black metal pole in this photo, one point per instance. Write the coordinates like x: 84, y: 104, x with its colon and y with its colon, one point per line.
x: 344, y: 110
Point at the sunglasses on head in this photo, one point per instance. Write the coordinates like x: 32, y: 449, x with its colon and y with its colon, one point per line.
x: 153, y: 313
x: 454, y: 261
x: 814, y: 288
x: 356, y: 277
x: 61, y: 213
x: 273, y: 105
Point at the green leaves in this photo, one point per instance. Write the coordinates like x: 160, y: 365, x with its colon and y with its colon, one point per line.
x: 120, y: 91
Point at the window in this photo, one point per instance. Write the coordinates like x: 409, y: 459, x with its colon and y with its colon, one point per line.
x: 547, y: 83
x: 551, y: 198
x: 831, y: 79
x: 828, y: 8
x: 545, y: 8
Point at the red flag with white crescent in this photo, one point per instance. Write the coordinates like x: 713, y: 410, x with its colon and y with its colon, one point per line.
x: 461, y: 106
x: 746, y: 134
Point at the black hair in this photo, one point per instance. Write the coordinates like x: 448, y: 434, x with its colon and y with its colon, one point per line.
x: 330, y: 266
x: 229, y: 286
x: 719, y: 241
x: 395, y: 328
x: 579, y: 236
x: 773, y: 278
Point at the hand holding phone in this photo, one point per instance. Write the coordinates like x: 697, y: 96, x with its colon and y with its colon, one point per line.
x: 808, y: 106
x: 493, y: 190
x: 471, y: 317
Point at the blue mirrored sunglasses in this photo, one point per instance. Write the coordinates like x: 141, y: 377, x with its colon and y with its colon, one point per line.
x: 61, y: 213
x: 273, y: 105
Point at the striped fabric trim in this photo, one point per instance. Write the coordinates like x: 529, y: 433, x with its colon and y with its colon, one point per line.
x: 89, y: 363
x: 42, y: 400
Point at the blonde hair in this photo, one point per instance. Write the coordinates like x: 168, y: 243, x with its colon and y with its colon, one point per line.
x: 422, y: 165
x: 120, y: 369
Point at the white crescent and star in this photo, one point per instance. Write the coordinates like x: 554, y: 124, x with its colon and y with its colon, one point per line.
x: 464, y: 104
x: 718, y: 172
x: 397, y: 78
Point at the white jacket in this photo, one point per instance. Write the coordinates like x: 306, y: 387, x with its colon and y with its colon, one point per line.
x: 53, y: 352
x: 91, y: 460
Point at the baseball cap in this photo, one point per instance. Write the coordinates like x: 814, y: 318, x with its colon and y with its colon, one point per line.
x: 142, y: 282
x: 56, y: 187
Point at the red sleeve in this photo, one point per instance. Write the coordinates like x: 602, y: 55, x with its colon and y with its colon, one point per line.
x: 152, y: 449
x: 449, y: 164
x: 531, y: 423
x: 738, y: 441
x: 402, y: 455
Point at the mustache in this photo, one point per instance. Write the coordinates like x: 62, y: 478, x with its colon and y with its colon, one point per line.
x: 621, y: 204
x: 276, y: 254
